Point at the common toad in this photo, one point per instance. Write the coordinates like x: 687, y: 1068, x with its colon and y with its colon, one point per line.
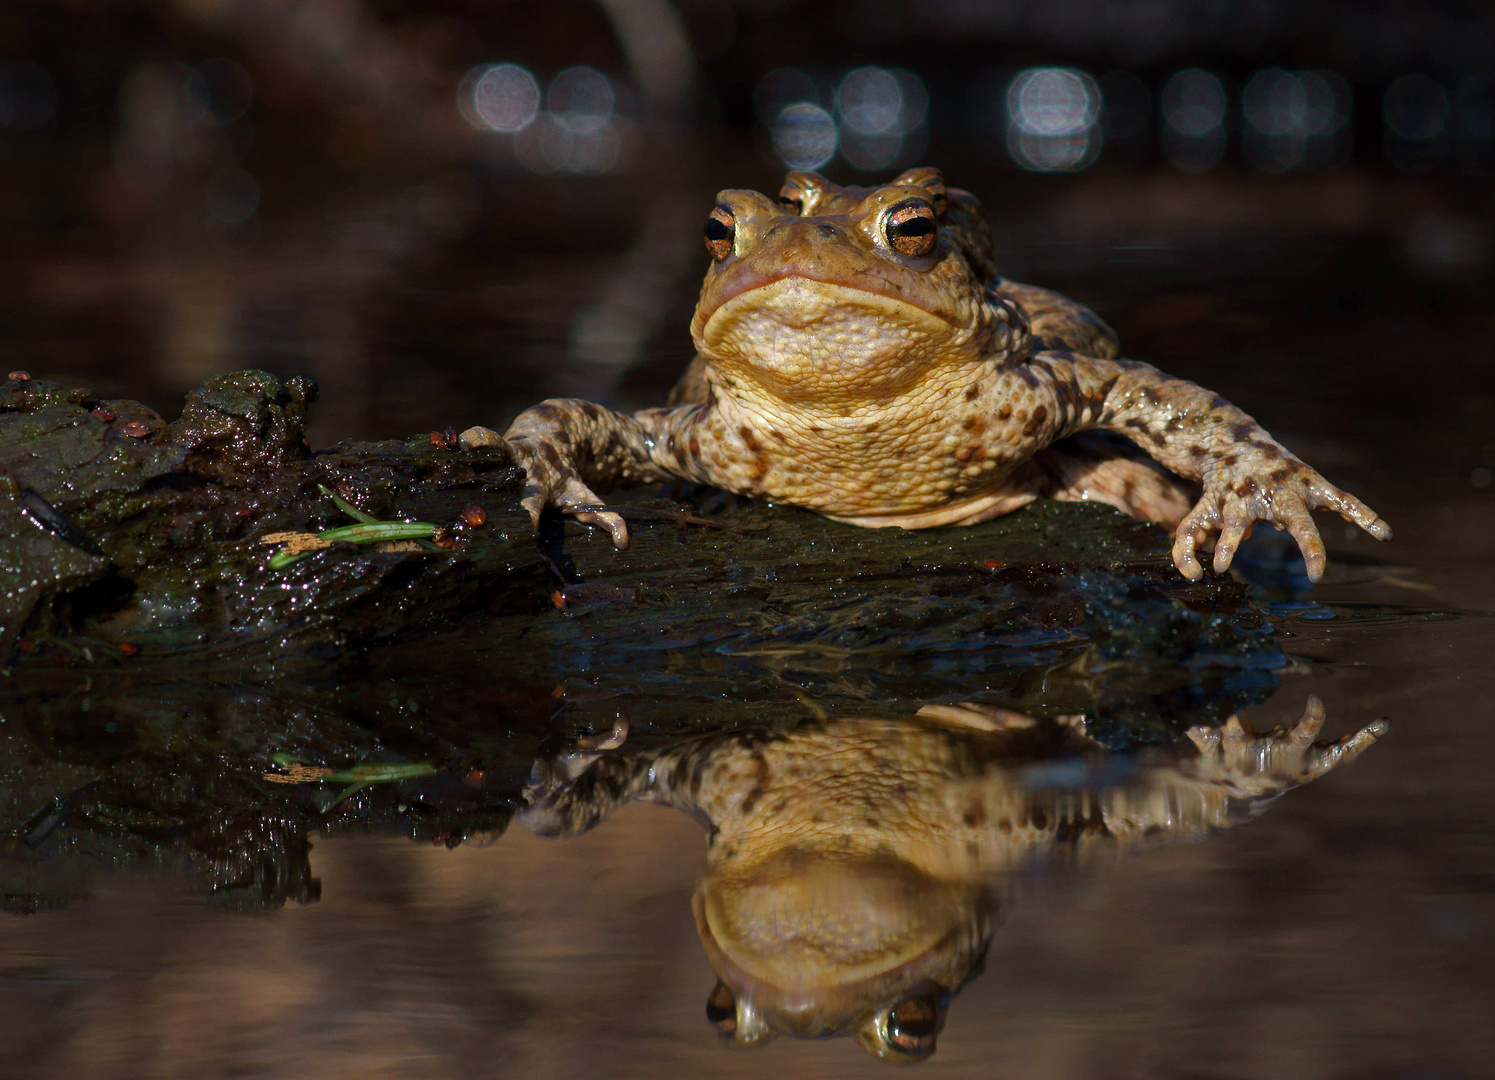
x: 856, y: 867
x: 859, y: 354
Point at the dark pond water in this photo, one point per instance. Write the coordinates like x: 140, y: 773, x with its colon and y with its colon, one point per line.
x: 1345, y: 929
x: 1346, y: 932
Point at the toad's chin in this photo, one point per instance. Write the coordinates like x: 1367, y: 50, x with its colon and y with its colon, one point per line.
x: 804, y: 331
x: 826, y: 925
x: 814, y: 944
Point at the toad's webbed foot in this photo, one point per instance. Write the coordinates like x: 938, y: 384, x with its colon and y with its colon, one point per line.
x: 550, y: 480
x: 1261, y: 482
x: 1259, y: 766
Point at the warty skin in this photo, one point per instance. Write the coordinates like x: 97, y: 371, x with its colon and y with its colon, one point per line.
x: 856, y: 866
x: 859, y: 355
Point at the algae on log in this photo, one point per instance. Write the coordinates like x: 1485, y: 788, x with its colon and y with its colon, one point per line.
x: 157, y: 663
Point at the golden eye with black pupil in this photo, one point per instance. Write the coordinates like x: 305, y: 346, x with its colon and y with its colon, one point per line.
x: 911, y: 228
x: 791, y: 199
x: 721, y: 231
x: 721, y: 1010
x: 913, y: 1024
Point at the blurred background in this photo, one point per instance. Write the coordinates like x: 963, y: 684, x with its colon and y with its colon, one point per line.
x: 447, y: 209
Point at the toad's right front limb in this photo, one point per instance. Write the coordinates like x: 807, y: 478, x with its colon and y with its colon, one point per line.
x: 566, y: 447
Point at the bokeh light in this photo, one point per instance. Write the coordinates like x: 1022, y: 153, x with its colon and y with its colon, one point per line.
x: 804, y: 136
x: 1194, y: 104
x: 781, y: 88
x: 1277, y: 102
x: 549, y: 146
x: 1294, y: 119
x: 499, y: 97
x: 579, y: 131
x: 1416, y: 111
x: 581, y: 100
x: 1052, y: 101
x: 1416, y: 108
x: 876, y: 101
x: 882, y: 112
x: 1052, y: 114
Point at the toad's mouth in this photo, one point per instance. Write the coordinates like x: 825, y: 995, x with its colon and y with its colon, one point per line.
x: 814, y: 944
x: 797, y: 303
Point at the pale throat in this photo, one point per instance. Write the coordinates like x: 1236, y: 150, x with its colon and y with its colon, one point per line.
x: 876, y: 460
x: 809, y: 343
x: 915, y: 412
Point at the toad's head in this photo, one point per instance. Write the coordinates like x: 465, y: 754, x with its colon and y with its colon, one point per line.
x: 816, y: 946
x: 833, y: 291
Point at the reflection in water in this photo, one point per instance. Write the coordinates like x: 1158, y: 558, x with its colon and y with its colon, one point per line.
x: 855, y: 867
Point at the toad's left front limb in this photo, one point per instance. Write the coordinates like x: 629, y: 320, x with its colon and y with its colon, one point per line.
x: 1247, y: 475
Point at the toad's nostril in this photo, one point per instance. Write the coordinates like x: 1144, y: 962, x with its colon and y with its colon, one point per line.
x: 828, y: 231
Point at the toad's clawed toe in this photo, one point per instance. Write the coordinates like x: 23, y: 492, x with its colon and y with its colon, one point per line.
x: 475, y: 437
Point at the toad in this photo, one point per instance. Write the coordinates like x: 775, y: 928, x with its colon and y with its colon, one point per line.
x: 856, y: 867
x: 859, y: 354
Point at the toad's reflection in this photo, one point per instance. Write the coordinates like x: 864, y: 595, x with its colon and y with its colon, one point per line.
x: 855, y: 866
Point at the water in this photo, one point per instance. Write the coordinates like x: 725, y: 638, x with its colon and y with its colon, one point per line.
x: 1346, y: 931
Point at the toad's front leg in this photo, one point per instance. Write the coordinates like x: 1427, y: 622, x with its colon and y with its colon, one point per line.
x: 1247, y: 476
x: 1254, y: 766
x: 567, y: 447
x: 1234, y: 777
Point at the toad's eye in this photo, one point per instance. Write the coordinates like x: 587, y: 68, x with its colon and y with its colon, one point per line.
x: 913, y: 1025
x: 721, y: 232
x: 791, y: 199
x: 911, y: 229
x: 721, y: 1010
